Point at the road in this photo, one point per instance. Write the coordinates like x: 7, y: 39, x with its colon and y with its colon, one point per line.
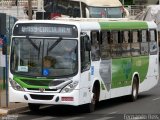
x: 146, y: 107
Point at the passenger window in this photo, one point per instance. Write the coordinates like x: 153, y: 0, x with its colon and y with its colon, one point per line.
x: 95, y: 51
x: 105, y: 46
x: 135, y: 45
x: 116, y: 50
x: 144, y: 42
x: 153, y: 42
x: 125, y: 43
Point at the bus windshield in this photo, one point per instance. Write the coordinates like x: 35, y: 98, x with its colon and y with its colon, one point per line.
x: 28, y: 56
x: 105, y: 12
x: 89, y: 8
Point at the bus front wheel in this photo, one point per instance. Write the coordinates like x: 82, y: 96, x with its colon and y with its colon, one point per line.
x: 91, y: 106
x: 135, y: 87
x: 33, y: 107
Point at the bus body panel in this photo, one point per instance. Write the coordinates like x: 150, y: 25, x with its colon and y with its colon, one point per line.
x: 152, y: 76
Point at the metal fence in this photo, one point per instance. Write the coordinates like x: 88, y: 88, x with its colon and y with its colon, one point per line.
x: 135, y: 9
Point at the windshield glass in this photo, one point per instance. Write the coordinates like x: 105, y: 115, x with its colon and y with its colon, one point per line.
x: 105, y: 12
x: 44, y: 57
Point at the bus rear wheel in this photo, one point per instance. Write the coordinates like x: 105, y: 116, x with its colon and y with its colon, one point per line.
x: 135, y: 87
x: 33, y: 107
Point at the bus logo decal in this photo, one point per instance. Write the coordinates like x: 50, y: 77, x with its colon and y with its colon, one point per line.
x: 41, y: 89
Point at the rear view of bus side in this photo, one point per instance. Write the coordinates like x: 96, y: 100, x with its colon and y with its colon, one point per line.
x: 110, y: 58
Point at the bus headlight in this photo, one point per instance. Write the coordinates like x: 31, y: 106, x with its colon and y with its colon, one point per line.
x: 15, y: 85
x: 70, y: 87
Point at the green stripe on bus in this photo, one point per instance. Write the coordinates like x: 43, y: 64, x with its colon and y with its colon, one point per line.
x: 124, y: 68
x: 122, y: 25
x: 29, y: 84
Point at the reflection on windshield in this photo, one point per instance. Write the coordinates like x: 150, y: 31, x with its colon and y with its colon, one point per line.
x: 31, y: 56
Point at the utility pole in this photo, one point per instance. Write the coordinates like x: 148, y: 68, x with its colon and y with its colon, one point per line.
x: 30, y: 9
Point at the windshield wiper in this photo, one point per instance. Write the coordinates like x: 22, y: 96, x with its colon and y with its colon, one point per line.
x: 54, y: 44
x: 33, y: 44
x: 39, y: 49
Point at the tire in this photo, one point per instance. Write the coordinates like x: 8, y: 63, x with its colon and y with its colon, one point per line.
x: 135, y: 88
x: 33, y: 107
x: 91, y: 106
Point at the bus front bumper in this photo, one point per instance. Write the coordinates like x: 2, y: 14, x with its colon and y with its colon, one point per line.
x: 44, y: 98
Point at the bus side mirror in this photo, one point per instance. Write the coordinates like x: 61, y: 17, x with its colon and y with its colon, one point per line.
x: 88, y: 45
x: 87, y: 42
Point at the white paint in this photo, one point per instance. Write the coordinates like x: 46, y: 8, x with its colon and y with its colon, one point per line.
x: 104, y: 118
x: 74, y: 118
x: 122, y: 91
x: 156, y: 99
x: 113, y: 112
x: 44, y: 118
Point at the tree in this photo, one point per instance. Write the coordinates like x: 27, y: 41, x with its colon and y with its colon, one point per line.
x: 127, y: 2
x: 30, y: 9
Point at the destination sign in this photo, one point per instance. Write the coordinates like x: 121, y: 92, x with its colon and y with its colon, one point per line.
x: 46, y: 30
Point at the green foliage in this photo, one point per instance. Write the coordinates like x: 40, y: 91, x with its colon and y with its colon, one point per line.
x: 127, y: 2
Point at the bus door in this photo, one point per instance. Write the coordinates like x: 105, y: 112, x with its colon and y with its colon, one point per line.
x: 85, y: 65
x: 106, y: 61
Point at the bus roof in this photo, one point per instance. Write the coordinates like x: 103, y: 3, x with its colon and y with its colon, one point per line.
x: 101, y: 3
x: 103, y: 24
x: 123, y: 25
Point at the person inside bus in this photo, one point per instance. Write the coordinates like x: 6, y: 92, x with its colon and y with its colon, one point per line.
x: 49, y: 62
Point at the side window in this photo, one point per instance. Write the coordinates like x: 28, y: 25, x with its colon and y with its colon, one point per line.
x: 125, y: 43
x: 105, y: 45
x: 95, y: 51
x: 144, y: 42
x: 135, y: 45
x: 85, y: 53
x: 153, y: 42
x: 115, y: 42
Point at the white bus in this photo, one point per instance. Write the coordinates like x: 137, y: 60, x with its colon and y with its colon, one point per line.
x: 83, y: 8
x: 94, y: 60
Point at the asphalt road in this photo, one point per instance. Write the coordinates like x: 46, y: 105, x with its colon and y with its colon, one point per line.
x: 147, y: 107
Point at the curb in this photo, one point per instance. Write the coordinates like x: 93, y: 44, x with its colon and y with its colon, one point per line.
x: 4, y: 112
x: 18, y: 109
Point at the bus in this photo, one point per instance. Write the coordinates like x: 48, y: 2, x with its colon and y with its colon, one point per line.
x: 83, y: 9
x: 95, y: 60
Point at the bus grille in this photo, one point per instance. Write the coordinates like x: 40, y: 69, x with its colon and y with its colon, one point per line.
x: 41, y: 82
x: 42, y: 97
x: 37, y: 89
